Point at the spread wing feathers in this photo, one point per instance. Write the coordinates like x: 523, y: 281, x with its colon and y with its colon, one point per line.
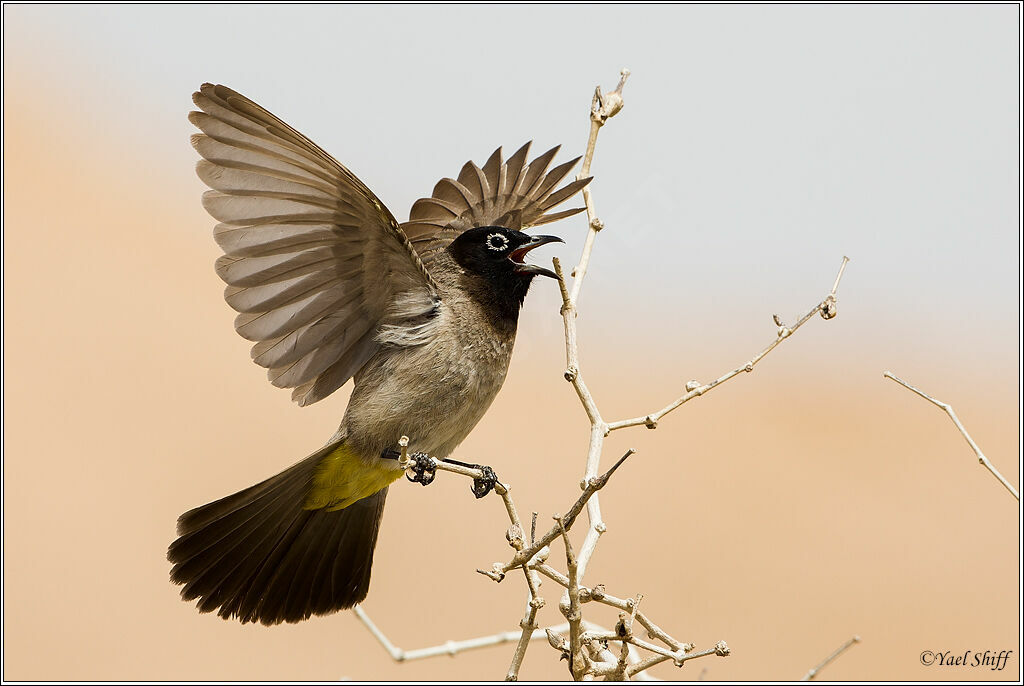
x: 513, y: 194
x: 314, y: 262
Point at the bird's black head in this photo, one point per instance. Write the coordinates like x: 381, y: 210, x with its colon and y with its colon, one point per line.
x: 495, y: 255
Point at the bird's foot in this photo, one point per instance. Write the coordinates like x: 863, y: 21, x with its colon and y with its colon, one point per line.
x: 423, y: 469
x: 483, y: 485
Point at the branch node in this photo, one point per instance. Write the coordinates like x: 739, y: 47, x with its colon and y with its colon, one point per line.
x: 571, y: 373
x: 596, y: 224
x: 622, y: 627
x: 650, y: 422
x: 514, y: 536
x: 828, y: 308
x: 722, y: 649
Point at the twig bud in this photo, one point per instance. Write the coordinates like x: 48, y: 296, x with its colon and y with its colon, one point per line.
x: 828, y: 308
x: 622, y: 626
x: 514, y: 536
x: 556, y: 641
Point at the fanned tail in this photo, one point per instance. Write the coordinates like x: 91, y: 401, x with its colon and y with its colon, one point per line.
x: 260, y: 556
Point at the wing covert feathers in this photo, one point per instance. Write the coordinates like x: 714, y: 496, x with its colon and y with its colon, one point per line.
x: 513, y: 194
x: 313, y: 261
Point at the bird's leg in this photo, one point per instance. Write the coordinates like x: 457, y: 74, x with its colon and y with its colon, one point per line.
x: 483, y: 485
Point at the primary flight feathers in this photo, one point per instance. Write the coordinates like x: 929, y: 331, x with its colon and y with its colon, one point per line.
x: 315, y: 263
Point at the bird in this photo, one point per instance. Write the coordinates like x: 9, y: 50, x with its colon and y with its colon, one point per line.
x: 422, y: 316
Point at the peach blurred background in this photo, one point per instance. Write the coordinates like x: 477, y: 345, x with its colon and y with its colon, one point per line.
x: 784, y: 512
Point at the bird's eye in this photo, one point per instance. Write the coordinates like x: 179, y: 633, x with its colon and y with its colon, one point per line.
x: 497, y: 242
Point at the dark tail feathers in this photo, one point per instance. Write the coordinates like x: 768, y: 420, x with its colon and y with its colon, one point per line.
x: 259, y: 556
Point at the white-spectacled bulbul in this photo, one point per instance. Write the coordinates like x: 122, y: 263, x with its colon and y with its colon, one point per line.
x: 329, y: 286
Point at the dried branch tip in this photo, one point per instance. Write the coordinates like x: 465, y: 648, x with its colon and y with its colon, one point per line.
x: 603, y: 107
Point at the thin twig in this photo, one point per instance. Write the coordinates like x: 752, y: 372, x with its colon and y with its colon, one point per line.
x: 598, y: 427
x: 602, y: 108
x: 599, y: 595
x: 956, y: 420
x: 720, y: 649
x: 529, y: 632
x: 836, y: 653
x: 572, y: 612
x: 526, y: 554
x: 447, y: 648
x: 624, y: 631
x: 827, y: 309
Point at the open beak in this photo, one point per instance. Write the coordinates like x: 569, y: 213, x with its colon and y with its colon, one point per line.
x: 519, y: 254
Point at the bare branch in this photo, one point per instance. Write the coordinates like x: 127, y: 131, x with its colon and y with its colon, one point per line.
x: 827, y: 309
x: 530, y: 632
x: 602, y: 108
x: 526, y: 554
x: 572, y: 611
x: 956, y: 420
x: 836, y: 653
x: 572, y: 369
x: 448, y: 647
x: 720, y: 649
x: 598, y: 594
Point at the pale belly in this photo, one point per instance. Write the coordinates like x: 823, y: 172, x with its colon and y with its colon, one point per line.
x: 434, y: 394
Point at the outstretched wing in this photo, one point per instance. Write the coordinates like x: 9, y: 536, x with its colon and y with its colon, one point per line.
x: 314, y: 262
x: 512, y: 194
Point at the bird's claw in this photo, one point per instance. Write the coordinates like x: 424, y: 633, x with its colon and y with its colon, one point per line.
x: 423, y: 469
x: 485, y: 484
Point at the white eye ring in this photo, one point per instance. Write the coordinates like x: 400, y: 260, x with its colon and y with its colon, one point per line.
x: 498, y: 242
